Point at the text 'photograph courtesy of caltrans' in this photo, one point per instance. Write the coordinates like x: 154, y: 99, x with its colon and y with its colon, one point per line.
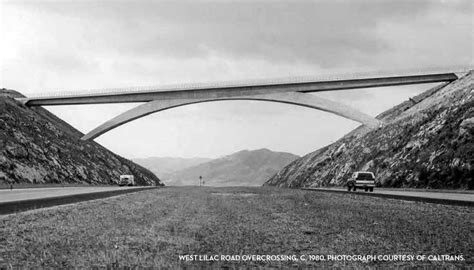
x: 312, y: 134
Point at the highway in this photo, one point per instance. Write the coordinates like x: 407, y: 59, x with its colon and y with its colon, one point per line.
x: 7, y: 195
x: 448, y: 197
x: 16, y: 200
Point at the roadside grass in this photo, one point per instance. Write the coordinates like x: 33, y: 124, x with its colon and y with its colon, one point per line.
x: 152, y: 228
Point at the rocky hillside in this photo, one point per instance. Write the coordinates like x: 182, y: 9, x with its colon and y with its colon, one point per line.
x: 426, y: 142
x: 38, y: 147
x: 244, y: 168
x: 163, y: 167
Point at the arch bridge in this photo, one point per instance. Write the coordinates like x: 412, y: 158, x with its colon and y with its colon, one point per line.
x: 294, y: 93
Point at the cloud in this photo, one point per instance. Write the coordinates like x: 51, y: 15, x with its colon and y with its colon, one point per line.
x: 146, y: 40
x: 323, y: 33
x: 443, y: 36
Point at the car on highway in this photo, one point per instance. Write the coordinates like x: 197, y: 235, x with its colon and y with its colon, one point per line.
x: 361, y: 180
x: 126, y: 180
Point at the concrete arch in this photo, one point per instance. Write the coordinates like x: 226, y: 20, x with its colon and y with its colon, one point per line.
x: 294, y: 98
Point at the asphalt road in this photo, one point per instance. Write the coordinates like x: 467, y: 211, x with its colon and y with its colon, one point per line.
x: 456, y: 198
x: 7, y: 195
x: 18, y: 200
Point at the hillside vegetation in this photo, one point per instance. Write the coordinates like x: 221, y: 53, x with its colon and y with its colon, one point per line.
x: 38, y: 147
x: 426, y: 142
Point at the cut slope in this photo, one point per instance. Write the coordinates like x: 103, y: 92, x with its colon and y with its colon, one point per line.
x: 426, y: 142
x: 38, y: 147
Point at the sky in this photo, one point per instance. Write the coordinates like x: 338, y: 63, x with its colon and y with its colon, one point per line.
x: 66, y: 46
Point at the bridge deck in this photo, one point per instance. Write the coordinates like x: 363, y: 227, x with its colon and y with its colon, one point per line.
x: 235, y: 91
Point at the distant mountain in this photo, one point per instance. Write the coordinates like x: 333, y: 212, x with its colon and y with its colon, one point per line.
x: 425, y: 142
x: 244, y: 168
x: 163, y: 167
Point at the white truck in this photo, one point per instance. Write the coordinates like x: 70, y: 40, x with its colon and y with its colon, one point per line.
x: 126, y: 180
x: 361, y: 180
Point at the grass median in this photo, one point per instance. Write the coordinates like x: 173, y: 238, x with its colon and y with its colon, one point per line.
x: 154, y: 227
